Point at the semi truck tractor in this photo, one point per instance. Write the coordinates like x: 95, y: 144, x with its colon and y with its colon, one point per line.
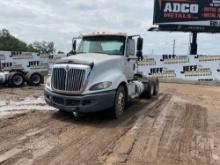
x: 16, y: 68
x: 19, y: 68
x: 101, y: 74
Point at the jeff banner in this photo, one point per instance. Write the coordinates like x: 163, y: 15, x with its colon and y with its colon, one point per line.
x: 187, y: 12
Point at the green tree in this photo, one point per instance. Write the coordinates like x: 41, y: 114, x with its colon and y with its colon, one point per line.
x: 43, y: 47
x: 11, y: 43
x: 30, y: 48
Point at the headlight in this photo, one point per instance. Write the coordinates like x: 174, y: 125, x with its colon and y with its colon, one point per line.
x: 101, y: 86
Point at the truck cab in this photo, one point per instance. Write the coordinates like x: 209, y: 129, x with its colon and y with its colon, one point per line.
x: 100, y: 74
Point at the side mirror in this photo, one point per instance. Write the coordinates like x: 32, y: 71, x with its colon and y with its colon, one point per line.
x: 140, y: 44
x: 140, y: 48
x: 74, y: 47
x: 139, y: 54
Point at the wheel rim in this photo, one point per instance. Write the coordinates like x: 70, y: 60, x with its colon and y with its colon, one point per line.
x: 121, y: 102
x: 17, y: 80
x: 36, y: 79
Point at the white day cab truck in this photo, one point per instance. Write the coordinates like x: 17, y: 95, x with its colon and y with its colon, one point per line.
x: 102, y: 74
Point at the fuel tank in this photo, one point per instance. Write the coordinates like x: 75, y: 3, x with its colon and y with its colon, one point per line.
x: 3, y: 77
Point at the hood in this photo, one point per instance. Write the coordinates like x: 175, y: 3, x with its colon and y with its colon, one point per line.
x: 88, y: 59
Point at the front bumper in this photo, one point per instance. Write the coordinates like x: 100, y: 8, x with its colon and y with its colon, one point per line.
x: 83, y: 104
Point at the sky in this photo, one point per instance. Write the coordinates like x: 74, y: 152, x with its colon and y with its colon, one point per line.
x: 60, y: 20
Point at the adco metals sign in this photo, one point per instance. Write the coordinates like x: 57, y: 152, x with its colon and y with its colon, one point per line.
x: 187, y: 12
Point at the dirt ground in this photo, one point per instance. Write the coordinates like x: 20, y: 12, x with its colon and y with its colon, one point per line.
x: 180, y: 127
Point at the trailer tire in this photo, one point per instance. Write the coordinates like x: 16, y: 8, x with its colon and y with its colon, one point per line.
x: 119, y: 102
x: 34, y: 79
x: 16, y: 79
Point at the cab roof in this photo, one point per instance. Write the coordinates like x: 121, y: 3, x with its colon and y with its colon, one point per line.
x: 103, y: 34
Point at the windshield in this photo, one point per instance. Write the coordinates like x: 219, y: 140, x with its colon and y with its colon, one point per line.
x: 112, y: 45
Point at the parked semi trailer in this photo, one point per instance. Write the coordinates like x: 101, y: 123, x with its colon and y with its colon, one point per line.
x: 101, y: 74
x: 19, y: 68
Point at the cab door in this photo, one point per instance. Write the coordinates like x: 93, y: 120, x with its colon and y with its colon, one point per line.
x: 130, y: 59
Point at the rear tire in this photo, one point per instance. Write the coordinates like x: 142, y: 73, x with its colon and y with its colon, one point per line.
x: 34, y: 79
x: 16, y: 79
x: 119, y: 103
x: 149, y: 92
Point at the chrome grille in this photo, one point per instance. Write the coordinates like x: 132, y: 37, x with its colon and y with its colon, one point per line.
x: 71, y: 80
x: 59, y: 78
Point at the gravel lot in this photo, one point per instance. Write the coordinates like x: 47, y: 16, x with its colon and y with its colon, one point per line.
x: 180, y: 127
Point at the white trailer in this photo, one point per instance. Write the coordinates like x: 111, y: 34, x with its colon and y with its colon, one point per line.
x: 182, y: 67
x: 18, y: 68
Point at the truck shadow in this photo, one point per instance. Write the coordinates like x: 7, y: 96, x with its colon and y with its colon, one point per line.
x: 103, y: 119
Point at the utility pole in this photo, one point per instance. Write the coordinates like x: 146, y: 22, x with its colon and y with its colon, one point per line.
x: 174, y: 46
x: 193, y: 45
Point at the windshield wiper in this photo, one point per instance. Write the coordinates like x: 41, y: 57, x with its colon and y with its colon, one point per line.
x: 80, y: 52
x: 101, y: 53
x: 93, y: 52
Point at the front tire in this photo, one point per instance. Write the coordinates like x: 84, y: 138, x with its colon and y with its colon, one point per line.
x: 119, y: 103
